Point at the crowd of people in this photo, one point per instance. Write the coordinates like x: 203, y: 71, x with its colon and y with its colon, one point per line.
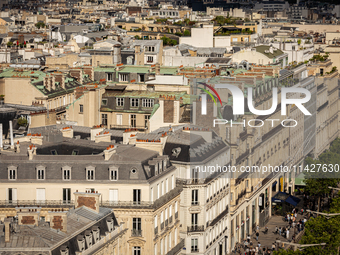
x: 289, y: 232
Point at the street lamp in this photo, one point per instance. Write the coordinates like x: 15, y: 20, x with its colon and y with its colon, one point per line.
x: 327, y: 215
x: 301, y: 246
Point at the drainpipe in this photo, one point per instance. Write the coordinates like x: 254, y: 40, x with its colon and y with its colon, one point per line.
x: 11, y: 133
x: 1, y: 132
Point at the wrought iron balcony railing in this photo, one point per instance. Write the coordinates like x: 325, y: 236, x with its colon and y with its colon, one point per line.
x: 136, y: 232
x: 196, y: 228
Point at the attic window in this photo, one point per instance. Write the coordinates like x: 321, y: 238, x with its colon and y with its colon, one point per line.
x: 133, y: 173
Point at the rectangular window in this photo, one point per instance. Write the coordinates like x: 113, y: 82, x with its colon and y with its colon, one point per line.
x: 12, y: 174
x: 81, y: 108
x: 123, y: 77
x: 194, y: 219
x: 137, y: 250
x: 133, y: 120
x: 67, y: 174
x: 146, y: 120
x: 41, y: 174
x: 12, y: 195
x: 172, y: 181
x: 120, y: 101
x: 90, y: 174
x: 109, y: 76
x: 134, y: 102
x: 147, y: 103
x: 104, y: 119
x: 113, y: 196
x: 150, y: 59
x: 194, y: 244
x: 113, y: 175
x: 162, y: 190
x: 141, y: 78
x: 194, y: 197
x: 137, y: 223
x: 66, y: 196
x: 157, y: 191
x: 136, y: 196
x: 166, y: 185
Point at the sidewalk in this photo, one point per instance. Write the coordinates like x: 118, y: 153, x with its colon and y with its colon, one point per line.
x: 268, y: 239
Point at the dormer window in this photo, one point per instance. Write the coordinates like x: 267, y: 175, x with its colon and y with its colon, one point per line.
x: 90, y: 173
x: 113, y: 174
x: 66, y: 172
x: 12, y: 172
x: 40, y: 173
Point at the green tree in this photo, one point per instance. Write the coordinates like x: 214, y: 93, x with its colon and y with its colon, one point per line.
x: 22, y: 121
x: 40, y: 24
x: 287, y: 252
x: 186, y: 33
x: 219, y: 20
x: 299, y: 41
x: 9, y: 44
x: 318, y: 179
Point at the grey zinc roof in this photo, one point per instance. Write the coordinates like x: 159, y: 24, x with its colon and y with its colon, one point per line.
x: 90, y: 214
x: 113, y: 42
x: 44, y: 237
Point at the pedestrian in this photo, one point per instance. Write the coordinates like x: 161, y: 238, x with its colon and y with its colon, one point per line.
x: 280, y: 230
x: 257, y: 236
x: 295, y: 215
x: 288, y: 217
x: 248, y: 238
x: 273, y: 247
x: 259, y: 245
x: 287, y: 234
x: 257, y: 228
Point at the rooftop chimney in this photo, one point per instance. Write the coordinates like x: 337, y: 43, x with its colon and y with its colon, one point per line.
x: 7, y: 222
x: 58, y: 220
x: 89, y: 200
x: 157, y: 69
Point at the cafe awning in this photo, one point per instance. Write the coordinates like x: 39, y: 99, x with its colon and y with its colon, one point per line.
x: 284, y: 197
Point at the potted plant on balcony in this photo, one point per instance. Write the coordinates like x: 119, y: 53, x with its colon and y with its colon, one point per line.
x: 248, y: 218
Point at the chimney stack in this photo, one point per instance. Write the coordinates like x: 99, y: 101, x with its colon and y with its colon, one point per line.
x: 7, y: 222
x: 157, y: 69
x: 11, y: 133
